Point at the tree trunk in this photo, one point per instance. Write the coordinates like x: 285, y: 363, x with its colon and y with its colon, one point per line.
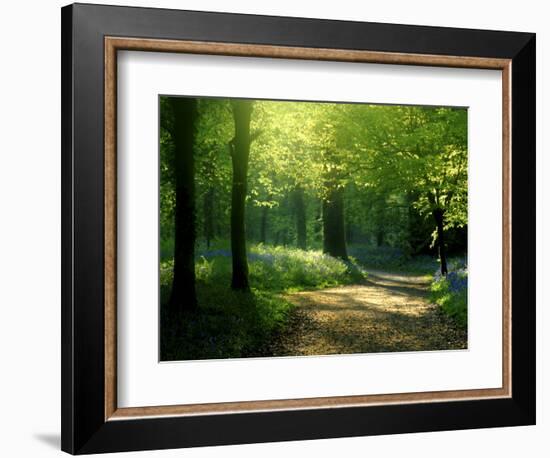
x: 240, y: 150
x: 439, y: 214
x: 318, y: 224
x: 208, y: 207
x: 183, y: 296
x: 300, y: 213
x: 334, y: 235
x: 263, y: 225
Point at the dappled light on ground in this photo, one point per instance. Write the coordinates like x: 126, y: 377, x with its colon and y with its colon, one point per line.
x: 390, y: 312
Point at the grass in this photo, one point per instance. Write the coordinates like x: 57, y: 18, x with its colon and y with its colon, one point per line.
x: 231, y: 324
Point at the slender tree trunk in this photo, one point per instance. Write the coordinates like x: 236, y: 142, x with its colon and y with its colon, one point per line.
x: 300, y: 213
x: 183, y: 296
x: 334, y: 235
x: 263, y: 225
x: 318, y: 226
x: 240, y: 151
x: 439, y: 214
x: 208, y: 208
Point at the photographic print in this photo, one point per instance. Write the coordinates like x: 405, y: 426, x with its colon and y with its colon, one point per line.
x: 294, y: 228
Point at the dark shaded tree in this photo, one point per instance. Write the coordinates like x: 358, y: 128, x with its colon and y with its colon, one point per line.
x: 183, y: 296
x: 334, y: 234
x: 438, y: 214
x: 240, y: 152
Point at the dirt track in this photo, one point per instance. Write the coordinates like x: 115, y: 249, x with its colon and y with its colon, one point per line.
x: 390, y: 312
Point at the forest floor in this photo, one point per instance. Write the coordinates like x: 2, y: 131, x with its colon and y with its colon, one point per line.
x: 389, y: 312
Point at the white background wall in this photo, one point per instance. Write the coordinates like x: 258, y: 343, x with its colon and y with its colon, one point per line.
x: 30, y: 227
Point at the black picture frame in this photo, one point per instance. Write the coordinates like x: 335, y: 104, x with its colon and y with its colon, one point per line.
x: 84, y: 428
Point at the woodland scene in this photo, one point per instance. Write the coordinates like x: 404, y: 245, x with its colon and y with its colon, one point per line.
x: 311, y: 228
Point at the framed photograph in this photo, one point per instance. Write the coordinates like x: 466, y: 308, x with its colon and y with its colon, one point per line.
x: 284, y: 228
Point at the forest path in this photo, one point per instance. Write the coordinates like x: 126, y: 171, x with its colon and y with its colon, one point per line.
x: 389, y: 312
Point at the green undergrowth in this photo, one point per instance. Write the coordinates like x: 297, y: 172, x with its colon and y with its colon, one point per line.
x: 451, y: 293
x: 394, y: 259
x: 233, y: 324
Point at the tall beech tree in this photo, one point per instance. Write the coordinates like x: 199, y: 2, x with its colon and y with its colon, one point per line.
x: 439, y: 153
x: 422, y: 152
x: 183, y: 296
x: 333, y: 142
x: 239, y: 148
x: 334, y: 233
